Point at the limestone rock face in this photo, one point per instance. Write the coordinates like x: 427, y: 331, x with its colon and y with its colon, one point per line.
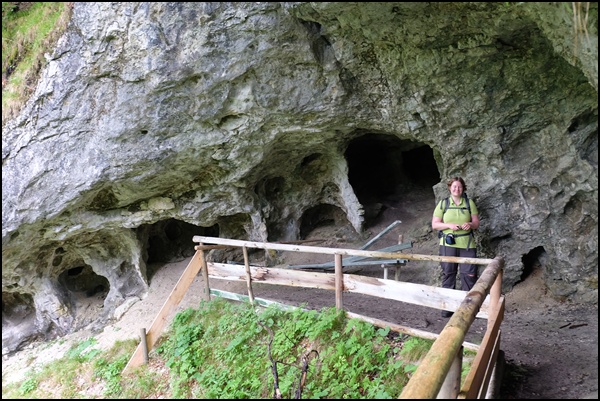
x: 154, y: 122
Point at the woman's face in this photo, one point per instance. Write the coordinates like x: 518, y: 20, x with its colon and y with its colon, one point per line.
x: 456, y: 188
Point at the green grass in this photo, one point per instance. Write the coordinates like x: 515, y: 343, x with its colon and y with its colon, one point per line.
x: 29, y: 30
x: 227, y: 349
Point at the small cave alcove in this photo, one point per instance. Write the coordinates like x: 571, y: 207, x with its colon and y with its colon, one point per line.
x: 383, y: 170
x: 16, y: 309
x: 170, y: 240
x: 18, y: 321
x: 533, y: 262
x: 84, y: 281
x: 321, y: 216
x: 86, y: 291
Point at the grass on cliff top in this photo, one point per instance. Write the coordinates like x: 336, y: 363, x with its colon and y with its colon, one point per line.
x: 29, y: 31
x: 232, y: 350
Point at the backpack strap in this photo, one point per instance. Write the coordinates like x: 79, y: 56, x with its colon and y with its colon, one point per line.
x: 447, y: 204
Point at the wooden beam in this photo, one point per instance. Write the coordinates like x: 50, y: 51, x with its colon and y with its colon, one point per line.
x: 186, y: 279
x: 481, y: 371
x: 340, y: 251
x: 405, y: 330
x: 362, y: 262
x: 204, y: 268
x: 244, y: 298
x: 451, y: 384
x: 339, y: 282
x: 211, y: 247
x: 248, y: 276
x: 427, y: 380
x: 417, y: 294
x: 273, y: 275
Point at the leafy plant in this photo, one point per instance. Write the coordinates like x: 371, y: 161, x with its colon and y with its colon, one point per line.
x: 414, y: 348
x: 226, y: 350
x: 233, y: 350
x: 28, y: 386
x: 81, y: 353
x: 111, y: 373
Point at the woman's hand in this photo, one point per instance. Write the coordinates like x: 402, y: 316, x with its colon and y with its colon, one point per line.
x: 466, y: 226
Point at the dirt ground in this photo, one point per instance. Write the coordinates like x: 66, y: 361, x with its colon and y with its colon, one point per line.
x: 550, y: 347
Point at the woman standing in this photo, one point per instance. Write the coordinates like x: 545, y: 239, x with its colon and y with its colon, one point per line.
x: 455, y: 218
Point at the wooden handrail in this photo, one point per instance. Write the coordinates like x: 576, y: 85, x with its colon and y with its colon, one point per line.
x: 338, y: 251
x: 427, y: 380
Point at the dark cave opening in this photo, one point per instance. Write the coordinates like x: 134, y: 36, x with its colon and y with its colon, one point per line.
x: 532, y: 261
x: 17, y: 308
x: 321, y: 216
x: 170, y: 240
x: 83, y: 282
x: 86, y: 291
x: 18, y: 321
x: 383, y: 169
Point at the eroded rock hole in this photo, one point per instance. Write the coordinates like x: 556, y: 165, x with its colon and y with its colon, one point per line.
x: 86, y: 292
x: 533, y: 262
x: 82, y: 281
x: 171, y: 240
x: 319, y: 216
x: 384, y: 170
x: 18, y: 321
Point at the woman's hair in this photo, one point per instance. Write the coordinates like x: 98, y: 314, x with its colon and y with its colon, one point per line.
x: 459, y: 179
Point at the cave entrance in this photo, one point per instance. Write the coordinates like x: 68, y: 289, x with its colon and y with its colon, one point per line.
x: 385, y: 172
x: 84, y: 281
x: 320, y: 216
x: 533, y: 262
x: 86, y: 292
x: 169, y: 241
x: 18, y: 321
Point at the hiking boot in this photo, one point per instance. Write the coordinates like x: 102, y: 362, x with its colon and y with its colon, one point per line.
x: 447, y: 313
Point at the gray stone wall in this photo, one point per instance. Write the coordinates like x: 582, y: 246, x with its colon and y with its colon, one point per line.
x: 237, y: 115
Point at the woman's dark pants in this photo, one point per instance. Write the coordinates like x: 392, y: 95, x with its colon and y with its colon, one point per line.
x: 468, y: 272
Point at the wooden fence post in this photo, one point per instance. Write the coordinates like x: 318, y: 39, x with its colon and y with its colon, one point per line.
x: 144, y: 345
x: 248, y: 276
x: 451, y: 385
x: 495, y: 293
x: 204, y: 268
x: 339, y: 281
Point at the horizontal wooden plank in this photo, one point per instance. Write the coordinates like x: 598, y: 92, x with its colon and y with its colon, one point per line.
x: 273, y: 275
x: 337, y: 251
x: 362, y: 262
x: 406, y: 330
x: 417, y: 294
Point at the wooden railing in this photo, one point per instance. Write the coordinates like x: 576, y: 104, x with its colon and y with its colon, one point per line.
x: 438, y: 375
